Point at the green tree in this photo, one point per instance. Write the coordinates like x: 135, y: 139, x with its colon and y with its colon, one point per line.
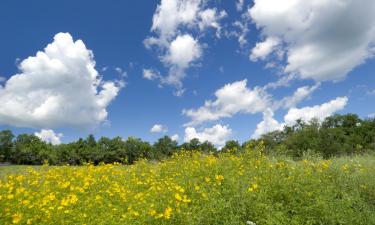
x: 29, y: 149
x: 136, y: 149
x: 6, y: 145
x: 232, y: 146
x: 164, y: 147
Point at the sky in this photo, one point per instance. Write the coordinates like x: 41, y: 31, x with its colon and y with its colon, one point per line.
x: 212, y: 70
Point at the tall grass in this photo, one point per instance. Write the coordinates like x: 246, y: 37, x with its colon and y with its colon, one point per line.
x: 192, y: 188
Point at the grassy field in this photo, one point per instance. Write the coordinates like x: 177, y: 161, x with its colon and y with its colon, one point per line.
x: 192, y: 188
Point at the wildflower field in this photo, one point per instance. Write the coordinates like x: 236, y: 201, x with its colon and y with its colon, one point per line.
x: 192, y: 188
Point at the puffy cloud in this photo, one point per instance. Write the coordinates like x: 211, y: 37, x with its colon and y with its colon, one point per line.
x: 323, y: 40
x: 268, y: 124
x: 58, y: 87
x: 175, y: 22
x: 217, y: 134
x: 319, y: 112
x: 175, y: 137
x: 263, y: 49
x: 158, y: 128
x: 49, y: 136
x: 182, y: 52
x: 231, y: 99
x: 2, y: 79
x: 170, y: 14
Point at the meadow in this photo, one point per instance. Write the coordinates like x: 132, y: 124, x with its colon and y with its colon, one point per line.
x: 194, y: 188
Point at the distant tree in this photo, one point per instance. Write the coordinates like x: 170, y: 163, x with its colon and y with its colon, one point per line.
x: 6, y: 145
x: 29, y: 149
x: 164, y: 147
x: 232, y: 146
x: 208, y: 147
x: 90, y: 141
x: 136, y: 149
x: 193, y: 144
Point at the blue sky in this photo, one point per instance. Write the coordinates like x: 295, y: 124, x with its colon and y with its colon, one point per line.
x: 191, y: 49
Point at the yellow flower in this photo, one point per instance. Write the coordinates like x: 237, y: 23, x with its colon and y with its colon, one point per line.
x: 16, y: 218
x: 253, y: 187
x: 219, y: 178
x: 167, y: 213
x: 178, y: 197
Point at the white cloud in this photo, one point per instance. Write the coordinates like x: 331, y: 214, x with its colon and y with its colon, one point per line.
x: 268, y: 124
x: 217, y: 134
x: 298, y: 96
x: 323, y: 40
x: 319, y: 112
x: 59, y: 87
x: 231, y: 99
x: 170, y: 14
x: 182, y: 52
x: 121, y: 72
x: 175, y: 22
x: 150, y: 74
x: 243, y: 27
x: 2, y: 79
x: 263, y: 49
x: 210, y: 18
x: 49, y: 136
x: 158, y: 128
x: 239, y: 5
x: 175, y: 137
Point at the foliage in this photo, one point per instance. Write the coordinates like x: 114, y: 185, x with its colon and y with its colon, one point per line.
x: 337, y: 135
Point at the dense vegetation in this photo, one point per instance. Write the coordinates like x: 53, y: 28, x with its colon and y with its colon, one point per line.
x: 336, y: 135
x: 194, y: 188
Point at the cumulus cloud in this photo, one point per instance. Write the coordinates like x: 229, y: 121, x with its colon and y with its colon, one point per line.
x: 268, y: 124
x: 182, y: 52
x: 158, y: 128
x: 58, y: 87
x: 217, y: 134
x: 175, y: 23
x: 319, y: 112
x: 175, y: 137
x: 49, y: 136
x: 323, y: 40
x: 231, y: 99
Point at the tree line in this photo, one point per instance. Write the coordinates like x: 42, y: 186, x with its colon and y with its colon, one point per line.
x: 336, y: 135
